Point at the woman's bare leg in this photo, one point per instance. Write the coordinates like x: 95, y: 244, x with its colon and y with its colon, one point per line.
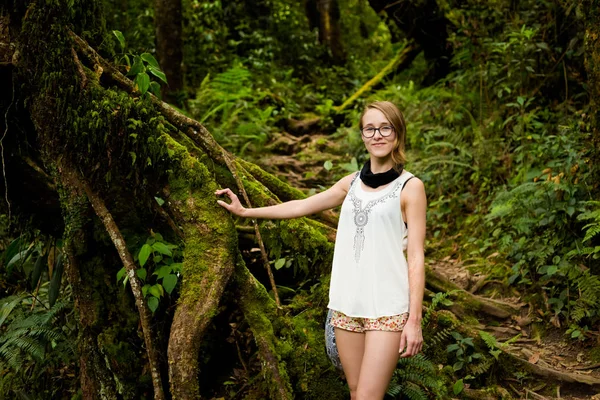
x: 380, y: 357
x: 351, y: 346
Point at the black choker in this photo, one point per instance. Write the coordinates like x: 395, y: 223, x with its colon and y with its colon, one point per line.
x: 375, y: 180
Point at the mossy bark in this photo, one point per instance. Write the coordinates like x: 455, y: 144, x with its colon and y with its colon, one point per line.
x: 96, y: 380
x: 592, y: 64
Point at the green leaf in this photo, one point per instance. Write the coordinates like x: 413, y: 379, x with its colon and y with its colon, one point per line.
x: 22, y: 255
x: 158, y: 73
x: 145, y: 289
x: 7, y: 307
x: 457, y: 366
x: 137, y: 67
x: 551, y: 270
x: 162, y: 248
x: 144, y: 254
x: 149, y: 58
x: 458, y: 386
x: 176, y: 267
x: 56, y: 280
x: 40, y: 264
x: 155, y: 89
x: 152, y: 303
x: 280, y: 263
x: 169, y: 282
x: 142, y: 80
x: 141, y: 273
x: 156, y: 290
x: 12, y: 249
x: 452, y: 347
x: 328, y: 165
x: 159, y: 200
x: 121, y: 274
x: 576, y: 333
x: 158, y: 236
x: 120, y: 38
x: 163, y: 271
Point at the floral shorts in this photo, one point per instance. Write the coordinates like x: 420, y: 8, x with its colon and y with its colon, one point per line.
x: 394, y: 323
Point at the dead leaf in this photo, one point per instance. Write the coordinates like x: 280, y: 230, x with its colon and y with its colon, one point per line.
x: 535, y: 357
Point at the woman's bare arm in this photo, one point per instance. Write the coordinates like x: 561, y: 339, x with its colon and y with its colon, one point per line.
x: 415, y: 208
x: 332, y: 197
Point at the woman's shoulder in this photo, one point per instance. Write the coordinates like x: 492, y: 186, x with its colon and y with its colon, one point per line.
x: 413, y: 187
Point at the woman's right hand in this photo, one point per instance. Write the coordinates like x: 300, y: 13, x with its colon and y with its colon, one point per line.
x: 235, y: 207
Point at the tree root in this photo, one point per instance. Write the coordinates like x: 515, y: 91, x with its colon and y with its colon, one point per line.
x: 136, y: 287
x: 477, y: 304
x: 551, y: 373
x: 258, y: 309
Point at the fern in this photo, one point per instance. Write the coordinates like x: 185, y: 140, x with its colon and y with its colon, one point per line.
x: 592, y: 230
x: 415, y: 377
x: 439, y: 337
x: 438, y: 298
x: 482, y: 367
x: 27, y: 337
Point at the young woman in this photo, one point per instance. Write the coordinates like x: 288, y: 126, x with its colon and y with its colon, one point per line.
x: 376, y: 292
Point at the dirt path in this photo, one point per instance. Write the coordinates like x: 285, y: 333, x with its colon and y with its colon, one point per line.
x: 556, y: 366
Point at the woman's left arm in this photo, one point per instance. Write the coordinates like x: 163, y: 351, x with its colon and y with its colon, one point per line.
x: 415, y: 207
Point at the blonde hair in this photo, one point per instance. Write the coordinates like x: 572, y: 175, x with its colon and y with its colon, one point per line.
x: 396, y: 119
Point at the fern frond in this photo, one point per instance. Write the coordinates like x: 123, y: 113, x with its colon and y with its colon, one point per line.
x: 413, y: 392
x: 440, y: 337
x: 482, y: 367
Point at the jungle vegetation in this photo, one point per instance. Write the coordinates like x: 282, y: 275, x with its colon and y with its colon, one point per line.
x: 121, y: 278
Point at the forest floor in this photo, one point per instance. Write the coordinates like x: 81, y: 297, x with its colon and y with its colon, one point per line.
x: 549, y: 364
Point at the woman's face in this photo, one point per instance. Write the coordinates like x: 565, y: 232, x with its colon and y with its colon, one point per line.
x: 378, y: 146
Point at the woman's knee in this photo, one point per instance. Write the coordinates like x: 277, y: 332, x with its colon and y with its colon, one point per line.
x: 369, y: 392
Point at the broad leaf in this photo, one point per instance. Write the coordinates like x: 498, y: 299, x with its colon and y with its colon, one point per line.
x: 141, y: 273
x: 158, y: 73
x: 121, y: 274
x: 120, y: 38
x: 279, y: 263
x: 149, y: 58
x: 144, y: 254
x: 169, y: 282
x: 163, y: 271
x: 162, y: 248
x: 142, y: 80
x: 137, y: 67
x: 458, y: 386
x: 156, y: 290
x: 152, y: 303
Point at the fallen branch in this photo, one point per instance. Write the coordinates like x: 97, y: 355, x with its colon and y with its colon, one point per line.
x: 406, y: 55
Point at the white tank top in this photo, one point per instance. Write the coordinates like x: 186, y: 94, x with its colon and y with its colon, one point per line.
x: 369, y: 278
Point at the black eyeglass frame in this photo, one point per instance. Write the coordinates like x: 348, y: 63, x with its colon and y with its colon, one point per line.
x: 377, y: 129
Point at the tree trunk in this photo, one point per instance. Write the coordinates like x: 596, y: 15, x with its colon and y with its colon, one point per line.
x: 169, y: 45
x: 424, y: 22
x: 325, y: 15
x: 592, y: 63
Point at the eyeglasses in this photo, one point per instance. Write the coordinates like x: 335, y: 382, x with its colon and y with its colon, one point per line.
x: 384, y: 131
